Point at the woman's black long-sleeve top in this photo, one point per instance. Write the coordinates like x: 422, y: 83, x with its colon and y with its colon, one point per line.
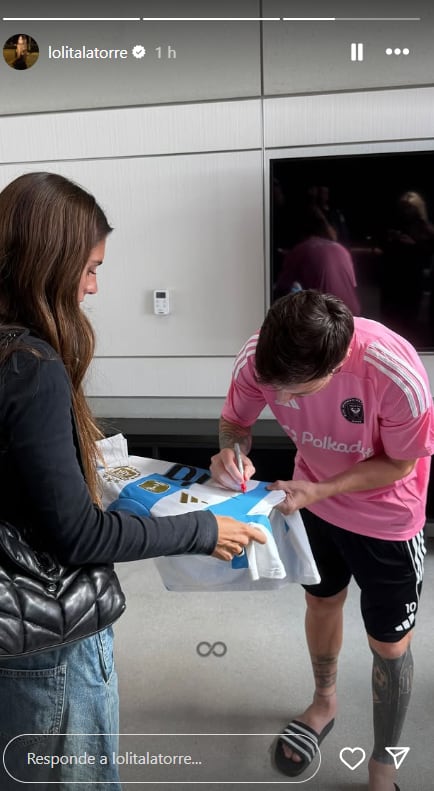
x: 42, y: 484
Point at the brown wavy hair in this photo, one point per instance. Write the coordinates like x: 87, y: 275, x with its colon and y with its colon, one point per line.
x: 48, y: 227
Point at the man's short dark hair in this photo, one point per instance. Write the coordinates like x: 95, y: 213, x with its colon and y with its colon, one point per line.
x: 305, y: 335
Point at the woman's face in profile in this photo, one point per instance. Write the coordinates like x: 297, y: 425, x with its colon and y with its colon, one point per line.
x: 88, y: 284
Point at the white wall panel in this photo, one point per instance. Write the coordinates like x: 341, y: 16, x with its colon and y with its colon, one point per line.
x: 157, y: 407
x: 349, y: 117
x: 151, y: 377
x: 190, y: 224
x: 93, y: 134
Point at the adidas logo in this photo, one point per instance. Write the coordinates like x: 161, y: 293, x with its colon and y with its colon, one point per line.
x: 405, y: 624
x: 292, y: 402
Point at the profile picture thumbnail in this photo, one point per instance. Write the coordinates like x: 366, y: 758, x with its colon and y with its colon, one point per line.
x: 20, y: 51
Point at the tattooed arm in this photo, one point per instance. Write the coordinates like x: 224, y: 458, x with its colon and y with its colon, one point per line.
x: 229, y: 433
x: 223, y: 466
x: 244, y: 402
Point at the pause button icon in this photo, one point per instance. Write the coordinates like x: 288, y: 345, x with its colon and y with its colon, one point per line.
x: 356, y: 51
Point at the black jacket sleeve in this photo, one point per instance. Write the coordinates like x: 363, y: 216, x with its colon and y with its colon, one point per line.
x: 43, y: 482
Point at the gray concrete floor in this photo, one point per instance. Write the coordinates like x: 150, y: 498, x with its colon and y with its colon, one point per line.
x: 260, y: 683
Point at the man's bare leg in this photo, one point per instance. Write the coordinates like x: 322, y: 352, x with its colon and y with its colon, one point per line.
x: 392, y: 676
x: 324, y: 622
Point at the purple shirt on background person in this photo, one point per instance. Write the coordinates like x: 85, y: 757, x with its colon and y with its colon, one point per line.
x: 323, y: 265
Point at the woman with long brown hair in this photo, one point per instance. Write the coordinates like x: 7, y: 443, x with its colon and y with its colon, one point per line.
x: 52, y: 240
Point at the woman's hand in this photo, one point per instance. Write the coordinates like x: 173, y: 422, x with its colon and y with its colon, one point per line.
x: 234, y: 536
x: 225, y: 471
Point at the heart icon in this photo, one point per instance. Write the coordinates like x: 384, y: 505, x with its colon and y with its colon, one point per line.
x: 356, y: 756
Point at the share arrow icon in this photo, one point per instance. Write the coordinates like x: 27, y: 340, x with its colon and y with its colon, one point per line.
x: 399, y: 754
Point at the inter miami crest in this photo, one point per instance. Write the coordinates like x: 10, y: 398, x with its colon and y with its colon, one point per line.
x: 352, y: 410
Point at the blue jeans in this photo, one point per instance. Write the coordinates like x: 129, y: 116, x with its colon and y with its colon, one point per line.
x: 65, y: 692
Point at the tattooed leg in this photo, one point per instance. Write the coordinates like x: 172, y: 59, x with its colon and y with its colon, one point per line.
x: 391, y: 687
x: 324, y: 638
x: 392, y: 677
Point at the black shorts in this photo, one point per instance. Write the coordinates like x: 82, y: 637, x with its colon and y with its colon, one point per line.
x: 388, y: 573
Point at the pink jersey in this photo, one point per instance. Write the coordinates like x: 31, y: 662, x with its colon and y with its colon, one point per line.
x: 379, y: 402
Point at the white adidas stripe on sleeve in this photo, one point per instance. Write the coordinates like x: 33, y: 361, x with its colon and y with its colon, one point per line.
x: 247, y: 351
x: 407, y: 378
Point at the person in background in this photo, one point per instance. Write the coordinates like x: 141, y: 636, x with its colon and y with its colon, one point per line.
x: 52, y: 244
x: 318, y: 196
x: 354, y: 397
x: 281, y: 233
x: 319, y: 262
x: 407, y: 269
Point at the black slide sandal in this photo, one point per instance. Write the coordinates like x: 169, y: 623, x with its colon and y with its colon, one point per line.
x: 303, y: 740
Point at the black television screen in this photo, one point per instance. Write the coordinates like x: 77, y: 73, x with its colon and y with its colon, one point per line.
x: 380, y: 209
